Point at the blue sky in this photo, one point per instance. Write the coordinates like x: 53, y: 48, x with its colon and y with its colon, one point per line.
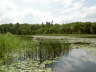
x: 38, y: 11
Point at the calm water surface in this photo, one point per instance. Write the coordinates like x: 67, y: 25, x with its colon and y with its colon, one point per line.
x: 78, y: 60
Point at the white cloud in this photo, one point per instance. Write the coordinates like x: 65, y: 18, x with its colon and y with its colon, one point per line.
x: 36, y: 11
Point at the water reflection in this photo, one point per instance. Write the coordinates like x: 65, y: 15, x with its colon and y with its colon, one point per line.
x: 77, y: 61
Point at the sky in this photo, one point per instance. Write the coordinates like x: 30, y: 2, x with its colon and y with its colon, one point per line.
x: 38, y: 11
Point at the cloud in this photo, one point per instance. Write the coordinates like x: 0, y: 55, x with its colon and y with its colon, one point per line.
x: 37, y: 11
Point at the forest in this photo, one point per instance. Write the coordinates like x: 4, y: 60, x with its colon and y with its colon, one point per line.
x: 49, y: 28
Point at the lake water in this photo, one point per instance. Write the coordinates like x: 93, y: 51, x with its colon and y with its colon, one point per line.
x: 78, y: 60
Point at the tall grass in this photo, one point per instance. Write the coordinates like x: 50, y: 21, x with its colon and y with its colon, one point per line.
x: 9, y: 44
x: 19, y: 48
x: 50, y: 49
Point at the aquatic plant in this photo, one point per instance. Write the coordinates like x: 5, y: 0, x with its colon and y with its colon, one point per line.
x: 50, y: 49
x: 9, y: 44
x: 15, y: 48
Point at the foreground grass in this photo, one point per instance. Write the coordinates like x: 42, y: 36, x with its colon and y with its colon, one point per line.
x: 19, y: 54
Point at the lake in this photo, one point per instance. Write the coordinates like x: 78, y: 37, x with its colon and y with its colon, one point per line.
x: 81, y: 57
x: 78, y: 60
x: 50, y: 54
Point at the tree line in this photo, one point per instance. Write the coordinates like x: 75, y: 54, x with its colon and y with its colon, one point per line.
x: 49, y: 28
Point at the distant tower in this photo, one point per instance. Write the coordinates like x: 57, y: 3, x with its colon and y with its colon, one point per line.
x: 52, y: 22
x: 42, y: 23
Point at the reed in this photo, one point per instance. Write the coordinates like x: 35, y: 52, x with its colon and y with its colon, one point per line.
x: 22, y: 48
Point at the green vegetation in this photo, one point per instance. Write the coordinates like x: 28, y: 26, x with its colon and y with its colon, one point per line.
x: 17, y: 52
x: 8, y: 44
x: 49, y: 28
x: 50, y: 49
x: 13, y: 47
